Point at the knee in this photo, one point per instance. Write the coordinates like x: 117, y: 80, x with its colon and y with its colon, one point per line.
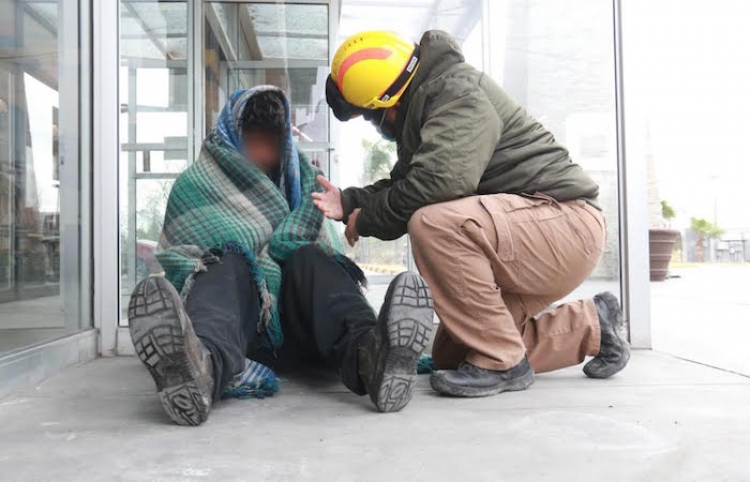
x: 308, y: 251
x: 431, y: 225
x: 424, y: 222
x: 306, y: 256
x: 230, y: 261
x: 230, y: 258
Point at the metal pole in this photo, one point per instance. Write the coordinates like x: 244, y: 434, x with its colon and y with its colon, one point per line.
x: 106, y: 115
x: 633, y: 209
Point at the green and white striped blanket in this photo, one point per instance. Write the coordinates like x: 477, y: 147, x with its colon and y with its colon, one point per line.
x: 222, y: 202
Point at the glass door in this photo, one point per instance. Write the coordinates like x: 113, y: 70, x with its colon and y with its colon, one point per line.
x: 154, y: 127
x: 283, y: 44
x: 288, y: 44
x: 40, y: 165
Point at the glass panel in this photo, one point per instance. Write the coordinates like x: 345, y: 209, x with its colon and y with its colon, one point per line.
x: 369, y: 158
x: 562, y: 72
x: 291, y: 31
x: 153, y: 29
x: 154, y: 122
x: 40, y: 296
x: 269, y: 31
x: 283, y: 45
x: 697, y: 162
x: 151, y: 203
x: 319, y: 157
x: 408, y: 17
x: 365, y: 156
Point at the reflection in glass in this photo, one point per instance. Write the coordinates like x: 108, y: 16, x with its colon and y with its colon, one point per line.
x: 153, y: 126
x: 39, y: 295
x: 279, y: 44
x: 562, y: 72
x: 696, y: 158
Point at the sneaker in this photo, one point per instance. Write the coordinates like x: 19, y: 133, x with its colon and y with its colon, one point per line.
x: 614, y: 351
x: 472, y: 381
x: 165, y: 342
x: 389, y: 354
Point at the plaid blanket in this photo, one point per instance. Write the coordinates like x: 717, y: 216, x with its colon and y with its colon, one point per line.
x: 223, y: 202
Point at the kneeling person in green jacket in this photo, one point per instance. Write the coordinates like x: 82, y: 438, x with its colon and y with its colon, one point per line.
x: 502, y: 222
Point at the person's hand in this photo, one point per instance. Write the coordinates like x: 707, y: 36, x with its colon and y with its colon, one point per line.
x: 329, y: 202
x: 351, y: 228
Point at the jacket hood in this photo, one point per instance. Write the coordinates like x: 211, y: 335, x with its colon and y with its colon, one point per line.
x: 439, y: 51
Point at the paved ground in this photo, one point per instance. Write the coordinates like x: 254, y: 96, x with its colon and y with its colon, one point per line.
x: 704, y: 315
x: 662, y: 419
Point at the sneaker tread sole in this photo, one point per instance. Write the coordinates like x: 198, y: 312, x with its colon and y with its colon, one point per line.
x: 158, y: 336
x: 407, y: 332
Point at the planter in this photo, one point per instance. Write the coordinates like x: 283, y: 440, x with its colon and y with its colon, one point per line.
x: 660, y: 246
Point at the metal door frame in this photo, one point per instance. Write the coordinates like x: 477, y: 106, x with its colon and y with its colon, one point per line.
x: 106, y: 155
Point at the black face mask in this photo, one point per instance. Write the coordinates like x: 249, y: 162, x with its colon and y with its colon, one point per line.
x: 385, y: 128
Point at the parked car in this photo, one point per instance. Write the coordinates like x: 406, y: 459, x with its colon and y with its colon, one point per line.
x: 145, y: 259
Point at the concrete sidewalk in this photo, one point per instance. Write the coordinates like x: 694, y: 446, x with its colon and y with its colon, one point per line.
x: 704, y: 315
x: 662, y: 419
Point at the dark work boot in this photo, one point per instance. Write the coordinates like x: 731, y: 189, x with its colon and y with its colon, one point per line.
x: 165, y: 342
x: 614, y: 351
x: 472, y: 381
x: 388, y: 355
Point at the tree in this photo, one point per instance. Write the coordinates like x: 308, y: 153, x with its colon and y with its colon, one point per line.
x: 150, y: 219
x: 705, y: 230
x: 378, y: 160
x: 667, y: 212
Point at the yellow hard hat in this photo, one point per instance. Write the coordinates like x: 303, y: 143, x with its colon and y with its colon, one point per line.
x: 372, y: 69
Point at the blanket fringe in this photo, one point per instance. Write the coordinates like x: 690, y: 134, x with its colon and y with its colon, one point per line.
x: 266, y: 389
x: 352, y: 269
x: 255, y: 381
x: 426, y: 365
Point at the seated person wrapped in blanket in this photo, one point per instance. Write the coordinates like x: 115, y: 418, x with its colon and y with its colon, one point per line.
x: 254, y: 275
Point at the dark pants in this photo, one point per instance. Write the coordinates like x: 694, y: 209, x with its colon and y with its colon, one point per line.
x: 323, y: 315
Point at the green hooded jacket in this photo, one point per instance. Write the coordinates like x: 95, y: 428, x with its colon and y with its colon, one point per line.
x: 460, y: 135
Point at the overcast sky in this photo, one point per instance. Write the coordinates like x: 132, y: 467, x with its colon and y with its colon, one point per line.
x: 687, y: 70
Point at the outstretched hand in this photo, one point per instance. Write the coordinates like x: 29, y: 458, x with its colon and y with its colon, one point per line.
x: 329, y: 202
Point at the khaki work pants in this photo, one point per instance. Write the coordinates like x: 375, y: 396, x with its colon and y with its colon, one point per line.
x: 494, y: 263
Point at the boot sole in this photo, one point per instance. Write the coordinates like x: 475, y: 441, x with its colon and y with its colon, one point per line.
x: 515, y: 385
x: 157, y: 328
x: 403, y: 336
x: 591, y: 369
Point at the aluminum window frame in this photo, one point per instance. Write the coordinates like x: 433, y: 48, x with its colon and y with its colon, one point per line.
x: 106, y: 155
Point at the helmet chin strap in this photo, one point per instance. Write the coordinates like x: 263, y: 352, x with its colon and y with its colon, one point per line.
x: 382, y: 119
x: 386, y: 134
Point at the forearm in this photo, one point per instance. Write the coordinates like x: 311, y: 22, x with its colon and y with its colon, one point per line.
x: 360, y: 197
x: 371, y: 223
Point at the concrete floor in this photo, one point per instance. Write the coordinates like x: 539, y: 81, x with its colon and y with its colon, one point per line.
x: 704, y: 315
x: 662, y: 419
